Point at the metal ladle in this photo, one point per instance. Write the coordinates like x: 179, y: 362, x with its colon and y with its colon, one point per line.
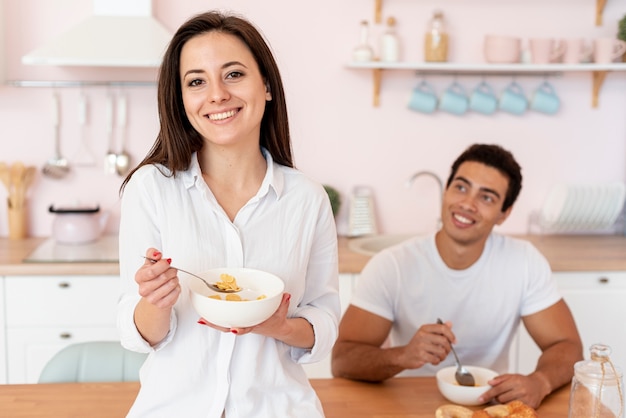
x: 462, y: 376
x: 211, y: 286
x: 56, y: 167
x: 122, y: 159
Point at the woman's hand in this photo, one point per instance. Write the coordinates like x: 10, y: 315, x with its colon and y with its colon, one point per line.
x: 158, y: 282
x: 275, y: 322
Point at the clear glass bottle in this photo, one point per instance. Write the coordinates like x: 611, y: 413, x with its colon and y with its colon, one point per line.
x: 436, y: 39
x: 597, y: 387
x: 389, y: 44
x: 363, y: 51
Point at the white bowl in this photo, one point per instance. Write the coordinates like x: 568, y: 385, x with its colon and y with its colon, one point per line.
x: 464, y: 395
x: 233, y: 314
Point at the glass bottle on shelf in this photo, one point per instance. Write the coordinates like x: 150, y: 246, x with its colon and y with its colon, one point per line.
x: 597, y: 387
x: 363, y: 51
x: 436, y: 39
x: 389, y: 44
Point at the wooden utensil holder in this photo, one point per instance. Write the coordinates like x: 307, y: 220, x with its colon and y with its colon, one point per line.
x: 17, y: 223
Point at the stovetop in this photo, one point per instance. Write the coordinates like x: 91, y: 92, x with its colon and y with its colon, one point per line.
x: 104, y: 250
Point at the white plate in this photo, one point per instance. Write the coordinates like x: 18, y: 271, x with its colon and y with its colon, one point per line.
x: 553, y: 206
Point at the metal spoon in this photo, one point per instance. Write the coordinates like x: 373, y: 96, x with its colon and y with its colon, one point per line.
x: 462, y: 376
x: 56, y: 167
x: 211, y: 286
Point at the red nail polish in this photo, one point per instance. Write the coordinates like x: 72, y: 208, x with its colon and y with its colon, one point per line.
x: 234, y: 331
x: 156, y: 254
x: 169, y: 261
x: 202, y: 322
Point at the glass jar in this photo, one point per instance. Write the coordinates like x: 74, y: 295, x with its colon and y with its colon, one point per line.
x: 436, y: 39
x: 597, y: 387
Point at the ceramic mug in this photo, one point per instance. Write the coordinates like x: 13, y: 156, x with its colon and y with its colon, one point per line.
x: 513, y: 99
x: 607, y: 49
x: 544, y: 51
x: 545, y: 99
x: 576, y: 51
x: 483, y: 99
x: 423, y: 99
x: 454, y: 100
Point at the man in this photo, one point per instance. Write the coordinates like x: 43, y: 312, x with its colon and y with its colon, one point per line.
x: 482, y: 284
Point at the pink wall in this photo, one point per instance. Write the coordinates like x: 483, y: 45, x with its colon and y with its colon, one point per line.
x: 339, y: 138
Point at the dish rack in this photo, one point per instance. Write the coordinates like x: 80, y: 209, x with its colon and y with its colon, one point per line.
x: 581, y: 208
x: 362, y: 220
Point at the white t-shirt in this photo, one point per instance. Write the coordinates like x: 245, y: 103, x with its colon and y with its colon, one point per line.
x: 410, y: 285
x: 287, y: 229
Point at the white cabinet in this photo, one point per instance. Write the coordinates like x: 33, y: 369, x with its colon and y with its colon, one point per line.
x: 598, y: 303
x: 46, y: 313
x: 321, y: 369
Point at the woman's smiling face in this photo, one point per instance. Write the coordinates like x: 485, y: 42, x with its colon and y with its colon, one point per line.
x: 223, y: 91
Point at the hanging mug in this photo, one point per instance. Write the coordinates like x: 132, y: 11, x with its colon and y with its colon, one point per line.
x: 454, y: 100
x: 483, y: 99
x: 513, y: 99
x: 423, y: 98
x: 545, y: 99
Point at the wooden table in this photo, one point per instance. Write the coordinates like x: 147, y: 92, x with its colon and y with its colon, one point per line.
x: 396, y: 398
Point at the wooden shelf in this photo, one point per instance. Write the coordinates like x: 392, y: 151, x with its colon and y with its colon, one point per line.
x: 599, y: 71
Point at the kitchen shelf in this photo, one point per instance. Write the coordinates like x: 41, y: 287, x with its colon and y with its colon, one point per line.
x: 600, y: 4
x: 599, y: 71
x: 70, y: 84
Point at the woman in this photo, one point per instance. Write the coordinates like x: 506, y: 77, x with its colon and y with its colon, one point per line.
x: 219, y: 189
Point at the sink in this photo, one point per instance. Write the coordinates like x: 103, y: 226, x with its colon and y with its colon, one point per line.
x: 372, y: 244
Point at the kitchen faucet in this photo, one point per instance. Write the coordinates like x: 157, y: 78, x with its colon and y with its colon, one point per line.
x: 414, y: 177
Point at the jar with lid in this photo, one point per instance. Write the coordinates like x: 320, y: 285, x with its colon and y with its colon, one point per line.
x: 436, y: 39
x: 597, y: 387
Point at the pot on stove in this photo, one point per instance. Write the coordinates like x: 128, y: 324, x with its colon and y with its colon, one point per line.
x: 78, y: 225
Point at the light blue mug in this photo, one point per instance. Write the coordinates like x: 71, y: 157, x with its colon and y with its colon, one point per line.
x: 423, y: 99
x: 513, y: 99
x: 454, y: 100
x: 483, y: 99
x: 545, y: 99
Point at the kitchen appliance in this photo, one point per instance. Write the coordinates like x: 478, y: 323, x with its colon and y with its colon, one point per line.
x: 121, y: 33
x: 78, y: 225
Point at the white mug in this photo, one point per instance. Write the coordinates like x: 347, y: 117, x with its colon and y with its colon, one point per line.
x: 607, y: 49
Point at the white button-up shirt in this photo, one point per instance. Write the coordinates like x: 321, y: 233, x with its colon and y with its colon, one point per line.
x: 287, y: 229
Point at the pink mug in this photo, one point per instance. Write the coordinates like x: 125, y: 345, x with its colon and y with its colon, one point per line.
x: 544, y: 51
x: 576, y: 51
x: 607, y: 49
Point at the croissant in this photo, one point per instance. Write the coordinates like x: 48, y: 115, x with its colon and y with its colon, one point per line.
x: 514, y: 409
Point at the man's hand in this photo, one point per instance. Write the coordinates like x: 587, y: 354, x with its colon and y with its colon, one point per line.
x: 529, y: 389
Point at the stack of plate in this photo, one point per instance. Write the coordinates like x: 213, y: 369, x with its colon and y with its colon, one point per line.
x: 583, y: 207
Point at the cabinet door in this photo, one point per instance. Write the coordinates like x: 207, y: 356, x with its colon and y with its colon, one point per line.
x: 61, y: 300
x: 597, y: 301
x: 321, y: 369
x: 29, y: 349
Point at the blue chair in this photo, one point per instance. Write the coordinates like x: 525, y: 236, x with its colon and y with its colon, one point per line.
x: 94, y: 361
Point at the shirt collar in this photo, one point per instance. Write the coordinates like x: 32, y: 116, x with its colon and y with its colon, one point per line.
x: 274, y: 177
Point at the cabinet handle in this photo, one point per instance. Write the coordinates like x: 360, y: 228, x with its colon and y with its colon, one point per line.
x: 65, y: 335
x: 64, y: 285
x: 603, y: 280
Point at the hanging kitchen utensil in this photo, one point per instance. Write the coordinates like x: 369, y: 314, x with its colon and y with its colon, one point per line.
x: 84, y: 156
x: 110, y: 159
x: 122, y: 162
x: 56, y: 167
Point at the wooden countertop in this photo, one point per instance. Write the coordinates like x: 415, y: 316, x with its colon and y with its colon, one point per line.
x: 408, y: 397
x: 564, y: 252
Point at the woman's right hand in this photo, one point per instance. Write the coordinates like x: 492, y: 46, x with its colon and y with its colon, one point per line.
x: 158, y: 282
